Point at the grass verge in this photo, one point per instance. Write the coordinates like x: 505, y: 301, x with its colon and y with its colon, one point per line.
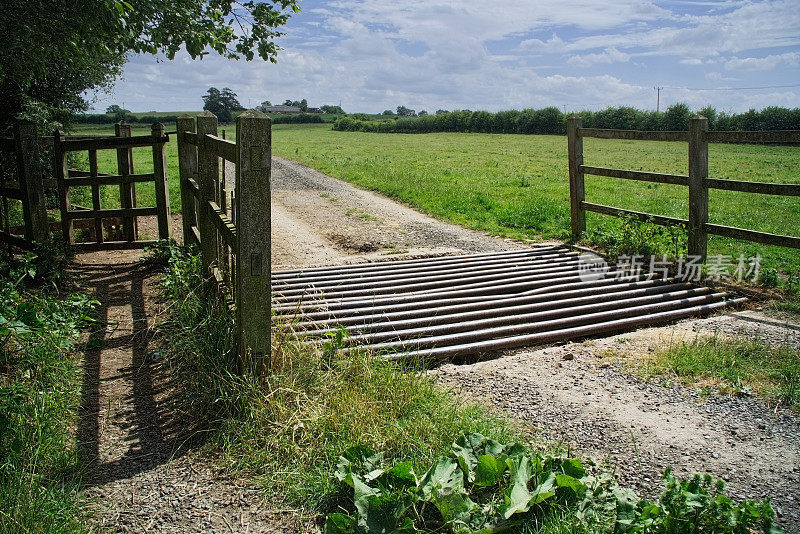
x: 289, y: 428
x: 39, y: 396
x: 733, y: 366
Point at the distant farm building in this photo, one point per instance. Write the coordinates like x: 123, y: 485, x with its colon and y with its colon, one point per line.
x: 313, y: 110
x: 281, y: 109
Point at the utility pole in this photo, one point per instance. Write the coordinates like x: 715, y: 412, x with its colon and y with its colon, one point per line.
x: 658, y: 97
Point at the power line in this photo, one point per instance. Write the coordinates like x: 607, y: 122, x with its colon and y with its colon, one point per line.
x: 734, y: 88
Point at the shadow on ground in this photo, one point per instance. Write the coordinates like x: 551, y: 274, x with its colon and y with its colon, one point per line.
x: 130, y: 416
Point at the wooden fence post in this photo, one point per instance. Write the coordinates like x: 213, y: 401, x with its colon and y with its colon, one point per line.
x: 577, y: 189
x: 253, y: 292
x: 127, y: 191
x: 93, y: 172
x: 60, y: 171
x: 698, y: 191
x: 187, y: 167
x: 30, y: 182
x: 207, y: 177
x: 161, y: 182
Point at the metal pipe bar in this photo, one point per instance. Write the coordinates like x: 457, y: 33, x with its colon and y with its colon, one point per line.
x: 279, y: 275
x: 490, y: 308
x: 400, y: 302
x: 400, y: 273
x: 543, y: 276
x: 564, y: 334
x: 398, y: 282
x: 520, y: 329
x: 526, y: 320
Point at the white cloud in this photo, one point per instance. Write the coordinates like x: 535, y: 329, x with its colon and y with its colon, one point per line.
x: 431, y: 54
x: 554, y: 44
x: 611, y: 55
x: 763, y: 63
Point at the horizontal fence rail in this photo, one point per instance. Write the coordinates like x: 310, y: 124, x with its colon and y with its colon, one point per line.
x: 697, y: 181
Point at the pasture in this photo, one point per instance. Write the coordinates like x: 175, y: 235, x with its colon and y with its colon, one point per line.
x: 517, y: 185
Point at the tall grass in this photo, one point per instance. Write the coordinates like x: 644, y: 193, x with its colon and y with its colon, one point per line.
x: 733, y: 365
x: 39, y: 397
x: 288, y: 428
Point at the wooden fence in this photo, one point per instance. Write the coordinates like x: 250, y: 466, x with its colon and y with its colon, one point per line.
x: 233, y: 235
x: 26, y: 187
x: 122, y: 143
x: 29, y: 187
x: 698, y: 136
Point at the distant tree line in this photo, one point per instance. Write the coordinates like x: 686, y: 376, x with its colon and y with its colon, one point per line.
x: 124, y: 116
x: 552, y: 121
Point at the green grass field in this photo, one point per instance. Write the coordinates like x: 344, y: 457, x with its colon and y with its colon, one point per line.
x: 517, y: 186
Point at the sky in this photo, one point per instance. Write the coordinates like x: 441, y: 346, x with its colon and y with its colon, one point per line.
x: 372, y: 55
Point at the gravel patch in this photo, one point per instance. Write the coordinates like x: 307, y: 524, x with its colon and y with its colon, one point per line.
x: 576, y: 394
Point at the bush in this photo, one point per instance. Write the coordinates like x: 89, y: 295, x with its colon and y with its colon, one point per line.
x: 485, y: 486
x: 299, y: 118
x: 551, y: 121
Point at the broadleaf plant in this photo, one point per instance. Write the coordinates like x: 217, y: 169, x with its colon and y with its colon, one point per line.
x: 483, y: 487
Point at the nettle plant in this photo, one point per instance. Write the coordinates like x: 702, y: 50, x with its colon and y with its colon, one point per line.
x: 484, y: 486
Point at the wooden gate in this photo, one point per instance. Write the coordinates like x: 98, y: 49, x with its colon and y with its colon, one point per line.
x: 115, y: 228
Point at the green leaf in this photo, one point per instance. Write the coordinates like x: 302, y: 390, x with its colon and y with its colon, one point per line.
x: 382, y: 513
x: 469, y: 447
x: 358, y: 460
x: 489, y: 470
x: 399, y: 476
x: 445, y: 473
x: 26, y: 313
x: 566, y: 481
x: 339, y: 524
x: 544, y: 491
x: 626, y: 501
x: 573, y: 467
x: 517, y: 496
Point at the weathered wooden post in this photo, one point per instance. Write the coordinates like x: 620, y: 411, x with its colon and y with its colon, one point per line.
x: 161, y: 181
x: 60, y: 170
x: 187, y: 167
x: 698, y: 192
x: 29, y: 170
x: 93, y: 172
x: 207, y: 176
x: 577, y: 189
x: 127, y: 191
x: 252, y: 292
